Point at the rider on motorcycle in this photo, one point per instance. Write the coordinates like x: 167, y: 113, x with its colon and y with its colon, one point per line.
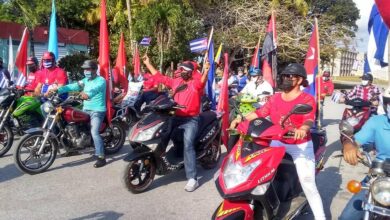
x: 326, y: 87
x: 366, y: 91
x: 300, y: 147
x: 376, y: 130
x: 187, y: 118
x: 32, y: 66
x: 94, y: 95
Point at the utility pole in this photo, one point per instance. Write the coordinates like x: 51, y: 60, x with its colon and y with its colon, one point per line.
x: 129, y: 20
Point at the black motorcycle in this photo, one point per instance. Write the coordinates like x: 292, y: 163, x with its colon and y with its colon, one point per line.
x: 150, y: 138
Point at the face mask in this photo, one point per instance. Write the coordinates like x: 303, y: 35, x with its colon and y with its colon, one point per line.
x: 32, y: 69
x: 47, y: 64
x: 325, y: 78
x: 364, y: 82
x: 287, y: 85
x: 185, y: 75
x: 87, y: 74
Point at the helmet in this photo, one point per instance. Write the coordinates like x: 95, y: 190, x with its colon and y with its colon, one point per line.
x: 386, y: 98
x: 246, y: 108
x: 90, y: 64
x: 255, y: 72
x: 187, y: 66
x: 48, y: 56
x: 367, y: 76
x: 295, y: 69
x: 32, y: 60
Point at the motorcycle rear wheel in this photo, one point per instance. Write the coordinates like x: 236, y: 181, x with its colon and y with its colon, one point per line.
x: 133, y: 175
x: 6, y: 140
x: 211, y: 159
x: 114, y: 142
x: 26, y: 147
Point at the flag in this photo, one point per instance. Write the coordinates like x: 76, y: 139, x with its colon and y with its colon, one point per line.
x: 311, y: 62
x: 255, y: 64
x: 53, y: 40
x: 136, y: 63
x: 384, y: 8
x: 366, y: 65
x: 223, y: 102
x: 377, y: 50
x: 146, y: 41
x: 104, y: 58
x: 269, y: 52
x: 210, y: 88
x: 11, y: 58
x: 21, y: 55
x: 121, y: 61
x: 218, y: 55
x: 198, y: 45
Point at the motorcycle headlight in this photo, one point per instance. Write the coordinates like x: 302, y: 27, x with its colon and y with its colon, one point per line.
x: 148, y: 133
x: 235, y: 173
x: 353, y: 121
x: 48, y: 107
x: 380, y: 190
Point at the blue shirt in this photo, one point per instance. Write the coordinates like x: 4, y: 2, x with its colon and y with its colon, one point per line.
x: 376, y: 130
x: 241, y: 82
x: 96, y: 91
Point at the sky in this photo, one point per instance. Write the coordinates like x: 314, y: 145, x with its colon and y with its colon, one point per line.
x: 362, y: 33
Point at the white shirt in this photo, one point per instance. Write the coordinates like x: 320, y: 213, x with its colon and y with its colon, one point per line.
x: 256, y: 91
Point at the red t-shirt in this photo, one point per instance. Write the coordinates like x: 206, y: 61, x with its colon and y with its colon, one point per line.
x: 327, y: 87
x: 190, y: 97
x: 149, y: 82
x: 31, y: 81
x: 277, y: 109
x: 51, y: 76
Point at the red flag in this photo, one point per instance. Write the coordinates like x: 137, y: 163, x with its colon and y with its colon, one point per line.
x: 312, y: 61
x: 267, y: 52
x: 120, y: 63
x: 136, y: 63
x: 255, y: 59
x: 21, y: 55
x: 104, y: 58
x: 223, y: 102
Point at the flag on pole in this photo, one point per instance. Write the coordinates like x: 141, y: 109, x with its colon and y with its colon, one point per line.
x: 218, y: 55
x: 145, y: 41
x: 120, y: 63
x: 21, y: 55
x: 269, y: 52
x: 311, y: 61
x: 223, y: 102
x: 199, y: 45
x: 255, y: 64
x: 104, y: 58
x: 210, y: 88
x: 136, y: 63
x: 377, y: 50
x: 53, y: 40
x: 11, y: 64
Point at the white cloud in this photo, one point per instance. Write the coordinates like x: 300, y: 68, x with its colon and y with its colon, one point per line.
x: 362, y: 34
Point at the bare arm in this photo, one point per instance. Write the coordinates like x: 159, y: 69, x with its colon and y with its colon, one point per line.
x: 205, y: 72
x: 148, y: 65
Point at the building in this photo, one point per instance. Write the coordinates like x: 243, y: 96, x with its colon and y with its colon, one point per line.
x: 348, y: 63
x: 70, y: 41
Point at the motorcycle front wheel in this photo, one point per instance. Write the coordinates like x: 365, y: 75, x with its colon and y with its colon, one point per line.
x: 139, y: 174
x: 26, y: 154
x: 210, y: 160
x: 115, y: 138
x: 6, y: 140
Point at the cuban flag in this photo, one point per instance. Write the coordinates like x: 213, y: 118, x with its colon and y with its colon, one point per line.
x: 146, y: 41
x: 311, y: 62
x: 198, y: 45
x: 210, y: 88
x: 377, y: 50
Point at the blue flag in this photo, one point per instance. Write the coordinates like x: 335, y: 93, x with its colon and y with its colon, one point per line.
x: 210, y: 88
x: 53, y: 40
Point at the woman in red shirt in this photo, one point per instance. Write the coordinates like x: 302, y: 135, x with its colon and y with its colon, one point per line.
x: 301, y: 146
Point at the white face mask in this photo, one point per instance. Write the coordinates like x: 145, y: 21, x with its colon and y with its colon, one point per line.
x: 364, y: 82
x: 254, y: 78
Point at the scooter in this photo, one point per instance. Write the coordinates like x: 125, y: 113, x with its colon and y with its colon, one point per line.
x: 258, y: 181
x: 150, y: 138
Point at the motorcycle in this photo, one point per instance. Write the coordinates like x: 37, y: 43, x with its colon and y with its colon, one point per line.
x: 150, y: 138
x: 260, y: 182
x: 65, y: 127
x: 376, y: 204
x: 17, y: 114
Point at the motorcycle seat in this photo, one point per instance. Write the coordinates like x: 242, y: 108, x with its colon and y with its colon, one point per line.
x: 205, y: 118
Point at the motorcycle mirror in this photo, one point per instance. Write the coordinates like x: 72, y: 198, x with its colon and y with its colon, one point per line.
x: 346, y: 128
x: 180, y: 88
x: 301, y: 109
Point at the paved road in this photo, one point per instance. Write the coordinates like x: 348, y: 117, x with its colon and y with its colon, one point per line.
x: 73, y: 189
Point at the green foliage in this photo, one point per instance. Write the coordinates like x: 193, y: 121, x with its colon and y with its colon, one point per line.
x: 72, y: 64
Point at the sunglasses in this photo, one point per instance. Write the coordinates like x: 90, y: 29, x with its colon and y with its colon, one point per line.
x: 290, y: 76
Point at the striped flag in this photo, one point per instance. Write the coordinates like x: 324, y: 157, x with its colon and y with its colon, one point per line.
x: 21, y: 80
x: 3, y: 82
x: 210, y: 88
x: 198, y: 45
x: 21, y: 55
x: 145, y: 41
x: 311, y: 61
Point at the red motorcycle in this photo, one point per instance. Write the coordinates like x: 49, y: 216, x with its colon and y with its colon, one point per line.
x: 68, y: 128
x: 258, y: 181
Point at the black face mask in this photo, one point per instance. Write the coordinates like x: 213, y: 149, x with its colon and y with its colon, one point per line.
x: 287, y: 85
x: 185, y: 75
x: 32, y: 69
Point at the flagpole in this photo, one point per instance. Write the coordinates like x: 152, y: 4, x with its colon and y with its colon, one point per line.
x: 274, y: 63
x: 208, y: 47
x: 318, y: 75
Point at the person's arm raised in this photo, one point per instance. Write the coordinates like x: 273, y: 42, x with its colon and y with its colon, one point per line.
x: 148, y: 65
x: 205, y: 72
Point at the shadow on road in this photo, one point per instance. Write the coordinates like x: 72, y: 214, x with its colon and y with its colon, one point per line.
x: 327, y: 122
x: 9, y: 172
x: 101, y: 216
x: 330, y: 149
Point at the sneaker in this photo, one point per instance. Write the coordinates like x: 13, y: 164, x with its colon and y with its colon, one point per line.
x: 100, y: 162
x: 192, y: 184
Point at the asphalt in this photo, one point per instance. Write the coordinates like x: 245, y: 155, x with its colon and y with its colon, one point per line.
x: 73, y: 189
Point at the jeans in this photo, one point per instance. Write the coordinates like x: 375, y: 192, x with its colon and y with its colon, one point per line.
x: 354, y: 209
x: 146, y: 97
x: 96, y: 121
x: 190, y: 127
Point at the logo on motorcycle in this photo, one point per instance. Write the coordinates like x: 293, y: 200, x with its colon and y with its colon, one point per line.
x: 257, y: 122
x: 251, y: 156
x: 267, y: 175
x: 222, y: 212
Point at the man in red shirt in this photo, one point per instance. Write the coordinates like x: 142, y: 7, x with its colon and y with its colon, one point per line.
x: 326, y: 87
x: 50, y: 75
x: 31, y: 82
x: 186, y: 119
x: 301, y: 146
